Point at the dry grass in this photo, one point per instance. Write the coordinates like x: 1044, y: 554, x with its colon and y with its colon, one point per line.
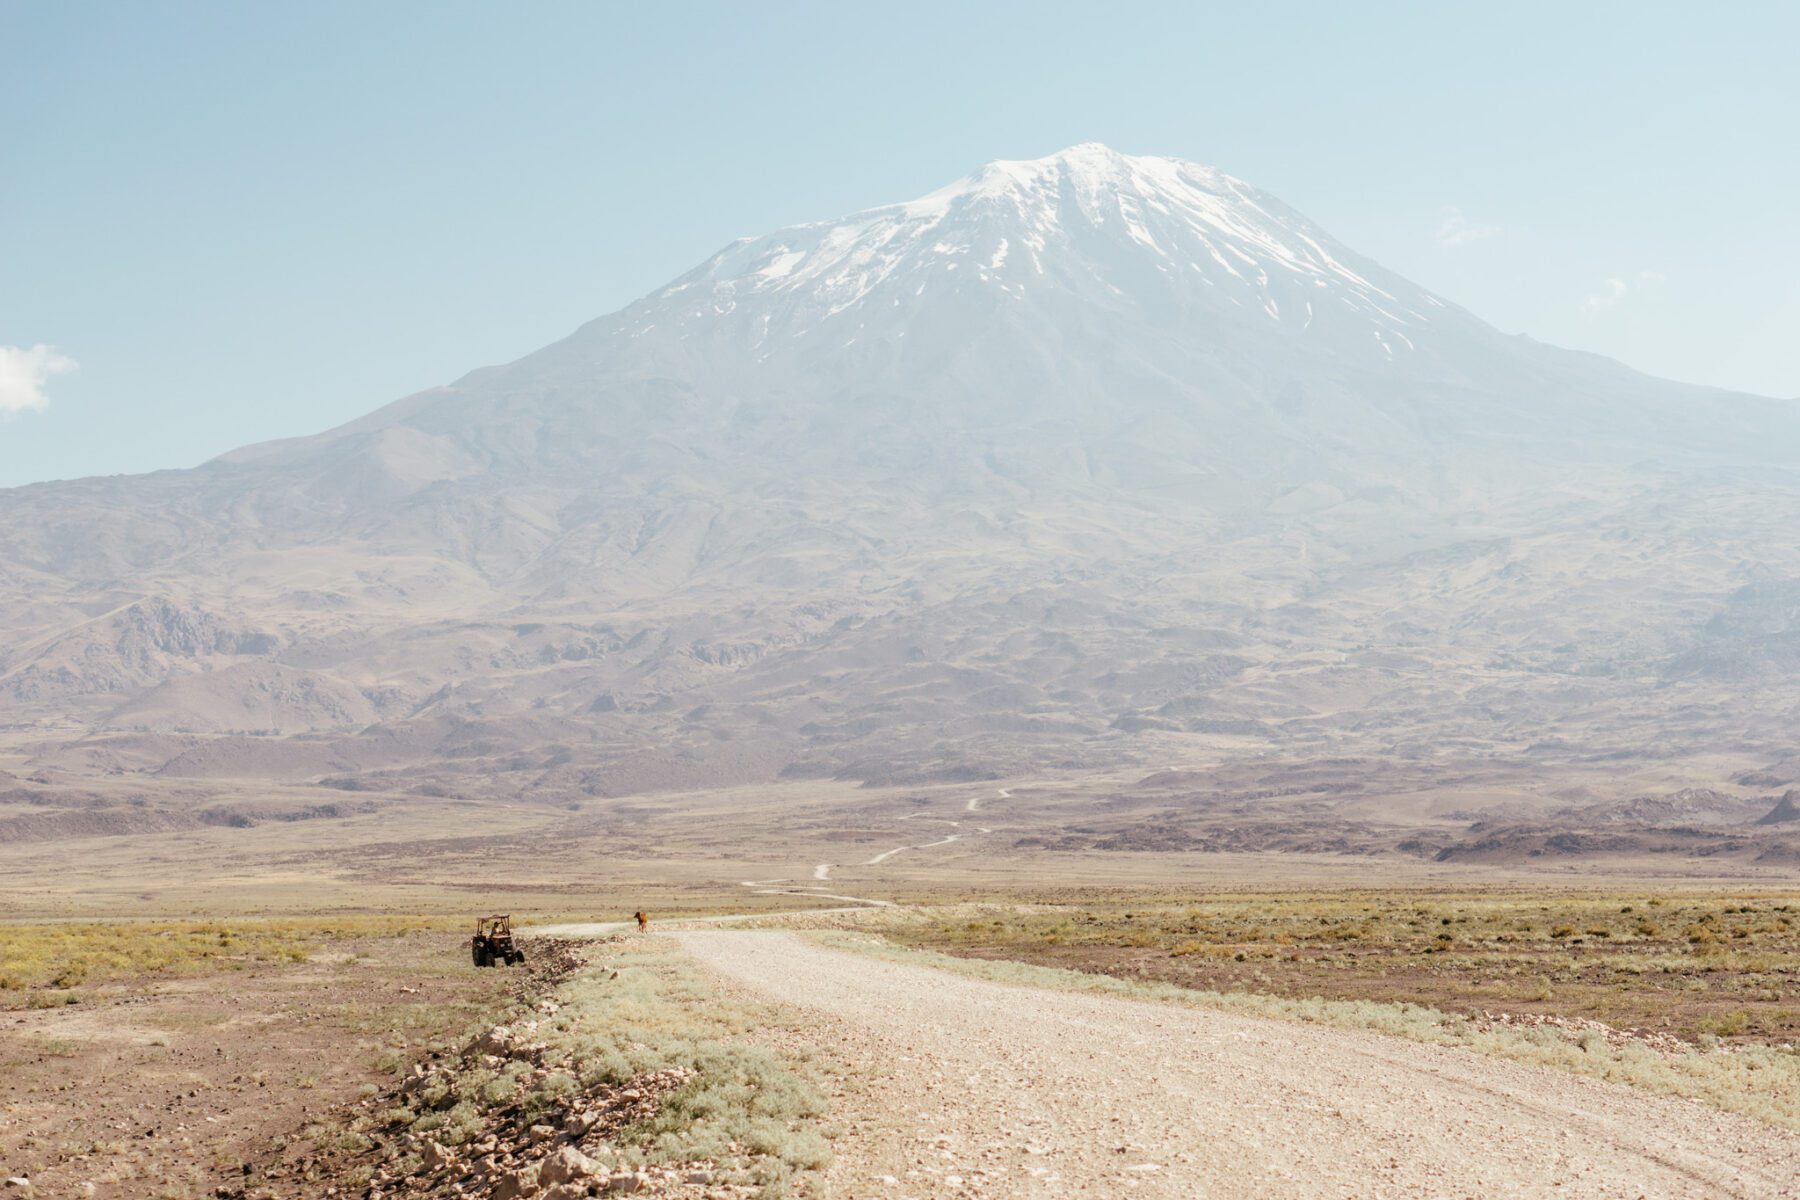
x: 639, y: 1013
x: 746, y: 1106
x: 1689, y: 964
x: 57, y: 963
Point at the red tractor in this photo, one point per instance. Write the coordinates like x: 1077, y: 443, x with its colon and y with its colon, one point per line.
x: 492, y: 945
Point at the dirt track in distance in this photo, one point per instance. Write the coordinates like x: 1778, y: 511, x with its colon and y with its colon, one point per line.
x: 969, y: 1087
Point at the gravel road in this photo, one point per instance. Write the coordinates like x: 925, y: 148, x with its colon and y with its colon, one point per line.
x: 964, y: 1087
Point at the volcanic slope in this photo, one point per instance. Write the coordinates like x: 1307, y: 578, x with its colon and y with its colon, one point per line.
x: 1084, y: 461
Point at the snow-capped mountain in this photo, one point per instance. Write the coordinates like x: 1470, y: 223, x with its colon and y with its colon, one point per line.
x: 1170, y: 242
x: 1071, y: 448
x: 1089, y: 318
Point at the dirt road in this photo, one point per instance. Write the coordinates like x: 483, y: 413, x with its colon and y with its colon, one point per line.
x: 966, y: 1087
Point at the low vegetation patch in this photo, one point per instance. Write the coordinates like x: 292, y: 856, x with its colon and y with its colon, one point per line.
x: 58, y: 963
x: 631, y: 1072
x: 1689, y: 965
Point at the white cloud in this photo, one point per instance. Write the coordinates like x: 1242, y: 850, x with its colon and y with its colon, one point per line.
x: 1616, y: 290
x: 1454, y: 229
x: 1607, y: 297
x: 22, y: 376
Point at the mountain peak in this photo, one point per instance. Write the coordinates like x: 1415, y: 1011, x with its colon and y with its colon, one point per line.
x: 1088, y: 151
x: 1045, y: 241
x: 1089, y: 159
x: 1097, y: 158
x: 1092, y: 169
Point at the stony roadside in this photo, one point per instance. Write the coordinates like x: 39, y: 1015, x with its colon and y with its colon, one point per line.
x: 537, y: 1129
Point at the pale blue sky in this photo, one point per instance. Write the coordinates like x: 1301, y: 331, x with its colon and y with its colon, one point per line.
x: 248, y: 221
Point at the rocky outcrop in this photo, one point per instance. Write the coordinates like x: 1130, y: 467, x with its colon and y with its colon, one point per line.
x: 132, y: 647
x: 1786, y: 810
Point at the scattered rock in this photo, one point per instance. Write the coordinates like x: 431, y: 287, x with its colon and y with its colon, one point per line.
x: 567, y: 1165
x: 515, y: 1185
x: 1581, y: 1031
x: 497, y: 1041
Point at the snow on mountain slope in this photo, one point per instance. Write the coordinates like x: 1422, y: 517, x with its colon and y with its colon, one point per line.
x: 1152, y: 231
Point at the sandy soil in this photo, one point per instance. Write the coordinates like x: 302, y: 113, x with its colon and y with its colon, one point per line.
x: 973, y: 1088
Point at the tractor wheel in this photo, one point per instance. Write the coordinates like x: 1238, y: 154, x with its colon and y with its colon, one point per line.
x: 475, y: 952
x: 519, y: 957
